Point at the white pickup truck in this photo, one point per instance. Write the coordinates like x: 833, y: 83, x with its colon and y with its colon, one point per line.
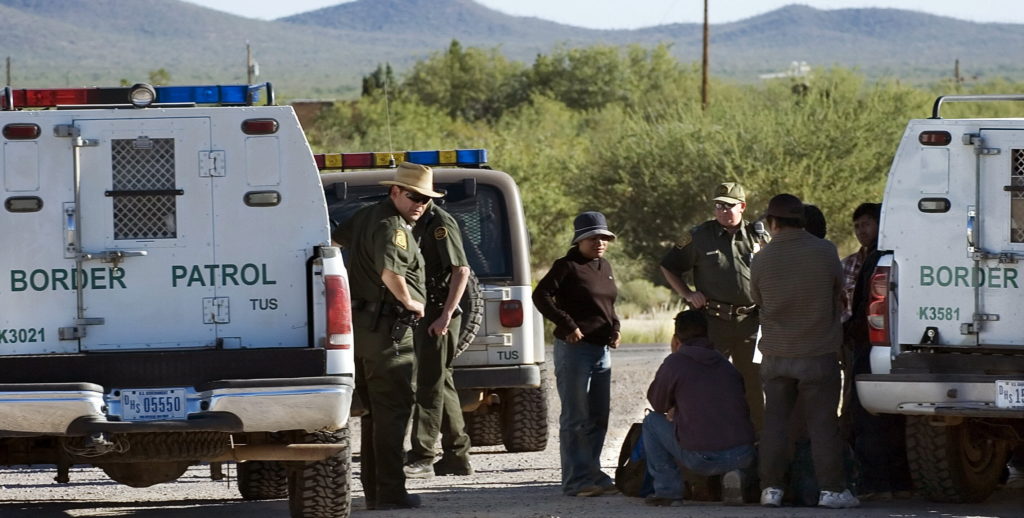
x: 165, y: 296
x: 946, y: 308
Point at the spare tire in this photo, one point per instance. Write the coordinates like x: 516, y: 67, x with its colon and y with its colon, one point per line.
x: 472, y: 304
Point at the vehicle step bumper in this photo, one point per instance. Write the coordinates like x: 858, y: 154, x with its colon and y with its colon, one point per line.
x: 309, y: 404
x: 933, y: 394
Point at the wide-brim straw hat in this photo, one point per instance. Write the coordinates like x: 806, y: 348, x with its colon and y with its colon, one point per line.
x: 416, y: 178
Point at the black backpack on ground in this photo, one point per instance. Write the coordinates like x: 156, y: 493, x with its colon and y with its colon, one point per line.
x: 631, y: 475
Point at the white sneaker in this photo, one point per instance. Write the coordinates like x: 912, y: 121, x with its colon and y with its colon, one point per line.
x: 1016, y: 478
x: 771, y: 497
x: 732, y: 488
x: 836, y: 500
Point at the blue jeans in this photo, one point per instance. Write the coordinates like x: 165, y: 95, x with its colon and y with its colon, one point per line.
x: 663, y: 451
x: 583, y: 374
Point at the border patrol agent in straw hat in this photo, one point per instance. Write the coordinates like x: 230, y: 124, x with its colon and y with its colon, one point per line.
x: 718, y: 253
x: 387, y: 275
x: 438, y: 410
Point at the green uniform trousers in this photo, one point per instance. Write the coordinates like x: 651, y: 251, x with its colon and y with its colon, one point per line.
x: 735, y: 340
x: 384, y: 372
x: 438, y: 410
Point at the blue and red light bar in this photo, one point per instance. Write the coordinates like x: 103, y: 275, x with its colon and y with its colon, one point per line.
x: 454, y: 157
x: 230, y: 95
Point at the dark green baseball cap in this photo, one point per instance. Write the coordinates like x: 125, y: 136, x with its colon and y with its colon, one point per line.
x: 730, y: 192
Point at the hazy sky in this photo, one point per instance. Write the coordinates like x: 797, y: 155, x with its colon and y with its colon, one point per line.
x: 628, y: 14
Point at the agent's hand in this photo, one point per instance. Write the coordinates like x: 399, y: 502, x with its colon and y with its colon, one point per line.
x: 439, y: 327
x: 575, y: 336
x: 415, y: 306
x: 616, y: 340
x: 696, y: 299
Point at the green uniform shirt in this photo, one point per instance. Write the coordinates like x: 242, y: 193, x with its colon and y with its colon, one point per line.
x: 437, y: 232
x: 719, y: 261
x: 377, y: 237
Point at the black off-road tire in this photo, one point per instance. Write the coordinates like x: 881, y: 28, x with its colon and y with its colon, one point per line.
x: 472, y: 304
x: 484, y: 427
x: 953, y: 463
x: 322, y: 489
x: 525, y: 419
x: 262, y: 480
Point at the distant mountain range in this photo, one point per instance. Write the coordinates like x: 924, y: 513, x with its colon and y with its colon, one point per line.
x: 324, y: 53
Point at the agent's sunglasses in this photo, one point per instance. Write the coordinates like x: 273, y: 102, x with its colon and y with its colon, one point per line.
x: 416, y: 197
x: 721, y: 205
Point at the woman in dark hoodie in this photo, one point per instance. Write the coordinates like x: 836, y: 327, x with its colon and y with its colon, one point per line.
x: 578, y: 295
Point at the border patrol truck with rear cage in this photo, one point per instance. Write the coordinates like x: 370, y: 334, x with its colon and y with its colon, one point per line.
x: 169, y: 294
x: 946, y: 307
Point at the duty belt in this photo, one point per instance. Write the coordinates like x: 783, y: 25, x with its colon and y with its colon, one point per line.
x: 729, y: 312
x: 371, y: 306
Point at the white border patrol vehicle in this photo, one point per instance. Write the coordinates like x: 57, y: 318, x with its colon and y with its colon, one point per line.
x: 169, y: 294
x: 947, y: 300
x: 498, y: 370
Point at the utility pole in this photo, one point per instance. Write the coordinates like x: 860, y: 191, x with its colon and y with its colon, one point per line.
x: 248, y: 63
x: 8, y: 83
x: 704, y: 64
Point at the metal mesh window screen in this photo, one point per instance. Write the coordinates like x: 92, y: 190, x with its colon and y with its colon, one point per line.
x: 1017, y: 197
x: 144, y: 164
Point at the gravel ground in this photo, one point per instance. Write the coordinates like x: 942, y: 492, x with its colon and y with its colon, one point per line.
x: 522, y: 485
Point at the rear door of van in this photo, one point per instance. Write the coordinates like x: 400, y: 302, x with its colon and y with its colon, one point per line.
x: 143, y: 196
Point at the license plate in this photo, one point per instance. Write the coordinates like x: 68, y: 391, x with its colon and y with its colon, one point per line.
x: 153, y: 404
x: 1010, y: 394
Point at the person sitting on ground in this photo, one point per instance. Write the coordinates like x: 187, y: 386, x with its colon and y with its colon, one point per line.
x: 700, y: 419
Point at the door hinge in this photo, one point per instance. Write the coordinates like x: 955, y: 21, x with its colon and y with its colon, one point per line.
x: 973, y: 139
x: 216, y: 310
x: 211, y: 163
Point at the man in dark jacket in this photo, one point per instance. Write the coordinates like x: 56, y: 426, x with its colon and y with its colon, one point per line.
x: 700, y: 419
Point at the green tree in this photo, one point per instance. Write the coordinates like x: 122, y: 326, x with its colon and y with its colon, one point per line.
x: 471, y: 84
x: 380, y: 79
x: 159, y: 76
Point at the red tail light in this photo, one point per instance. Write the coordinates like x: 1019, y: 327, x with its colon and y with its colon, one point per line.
x: 878, y: 307
x: 339, y: 313
x: 21, y: 131
x: 259, y: 126
x: 511, y: 313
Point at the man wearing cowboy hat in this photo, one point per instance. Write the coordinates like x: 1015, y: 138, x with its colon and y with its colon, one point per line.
x: 387, y: 275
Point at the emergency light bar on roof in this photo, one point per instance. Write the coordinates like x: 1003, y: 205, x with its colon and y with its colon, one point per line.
x: 455, y: 157
x: 140, y: 96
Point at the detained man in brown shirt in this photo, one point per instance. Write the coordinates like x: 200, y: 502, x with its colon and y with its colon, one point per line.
x: 797, y: 281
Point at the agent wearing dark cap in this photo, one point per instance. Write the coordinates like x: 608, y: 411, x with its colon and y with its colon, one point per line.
x: 578, y: 295
x: 718, y: 253
x: 386, y: 271
x: 796, y: 282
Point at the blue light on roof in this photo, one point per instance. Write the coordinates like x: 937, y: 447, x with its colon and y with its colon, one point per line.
x: 471, y: 156
x: 223, y: 94
x: 423, y: 157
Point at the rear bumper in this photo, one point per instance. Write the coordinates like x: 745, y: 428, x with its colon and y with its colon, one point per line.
x: 506, y: 376
x: 933, y: 394
x: 312, y: 403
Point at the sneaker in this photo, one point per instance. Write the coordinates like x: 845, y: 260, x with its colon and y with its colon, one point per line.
x: 423, y: 468
x: 590, y: 491
x: 610, y: 489
x: 732, y: 488
x: 771, y: 497
x: 1015, y: 480
x: 657, y: 501
x: 837, y: 500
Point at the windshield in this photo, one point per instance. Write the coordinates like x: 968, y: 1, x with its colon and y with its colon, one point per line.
x: 484, y: 229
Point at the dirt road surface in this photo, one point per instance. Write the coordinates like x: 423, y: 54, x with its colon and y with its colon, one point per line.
x: 522, y: 485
